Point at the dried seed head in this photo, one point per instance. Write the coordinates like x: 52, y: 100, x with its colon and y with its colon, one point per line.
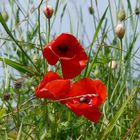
x: 91, y: 10
x: 120, y: 31
x: 137, y: 11
x: 5, y: 15
x: 6, y: 96
x: 18, y: 83
x: 48, y: 11
x: 121, y: 15
x: 112, y: 64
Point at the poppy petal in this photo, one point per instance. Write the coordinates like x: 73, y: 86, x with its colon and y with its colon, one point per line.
x: 93, y: 114
x: 44, y: 93
x: 59, y: 88
x: 89, y: 86
x: 64, y: 46
x: 41, y: 90
x: 72, y: 68
x: 49, y: 55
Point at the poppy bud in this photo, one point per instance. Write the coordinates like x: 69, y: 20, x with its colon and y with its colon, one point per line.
x: 6, y: 96
x: 18, y: 84
x: 137, y: 11
x: 48, y: 11
x: 36, y: 58
x: 112, y: 64
x: 5, y: 15
x: 91, y: 10
x: 120, y: 31
x: 96, y: 71
x: 121, y: 15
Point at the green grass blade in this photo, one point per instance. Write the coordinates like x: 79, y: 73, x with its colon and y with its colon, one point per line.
x: 10, y: 34
x: 114, y: 120
x: 19, y: 132
x: 97, y: 30
x: 19, y: 67
x: 94, y: 38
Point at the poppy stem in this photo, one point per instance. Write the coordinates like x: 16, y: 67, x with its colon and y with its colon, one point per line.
x: 49, y: 30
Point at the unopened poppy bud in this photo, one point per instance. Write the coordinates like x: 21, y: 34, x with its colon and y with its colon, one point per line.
x: 5, y: 15
x: 18, y: 84
x: 91, y: 10
x: 36, y: 58
x: 121, y: 15
x: 6, y: 96
x: 48, y: 11
x: 112, y: 64
x: 120, y: 31
x: 96, y: 71
x: 137, y: 11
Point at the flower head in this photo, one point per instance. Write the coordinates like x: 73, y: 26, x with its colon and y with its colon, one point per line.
x: 93, y: 94
x: 112, y: 64
x: 120, y: 31
x: 52, y: 87
x: 121, y: 15
x: 48, y: 11
x: 68, y: 50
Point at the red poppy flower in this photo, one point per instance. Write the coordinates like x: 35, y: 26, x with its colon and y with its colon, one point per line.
x: 52, y: 87
x: 94, y: 94
x: 68, y: 50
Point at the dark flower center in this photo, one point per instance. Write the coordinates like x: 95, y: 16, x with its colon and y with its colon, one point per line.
x: 63, y: 48
x: 84, y: 100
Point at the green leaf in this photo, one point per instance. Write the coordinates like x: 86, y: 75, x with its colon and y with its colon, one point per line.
x: 18, y: 66
x: 20, y: 132
x: 10, y: 34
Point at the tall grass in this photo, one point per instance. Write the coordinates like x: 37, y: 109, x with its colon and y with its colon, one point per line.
x: 23, y: 116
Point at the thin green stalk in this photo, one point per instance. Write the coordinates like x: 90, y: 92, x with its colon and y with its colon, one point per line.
x: 39, y: 32
x: 121, y: 52
x: 49, y: 30
x: 20, y: 47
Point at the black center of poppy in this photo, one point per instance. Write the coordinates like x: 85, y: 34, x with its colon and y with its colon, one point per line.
x: 84, y: 100
x: 63, y: 48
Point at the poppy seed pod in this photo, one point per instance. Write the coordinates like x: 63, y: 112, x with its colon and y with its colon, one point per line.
x: 120, y: 31
x: 91, y: 10
x: 18, y: 83
x: 6, y: 96
x: 112, y: 64
x: 121, y: 15
x: 48, y: 11
x: 137, y: 11
x: 35, y: 58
